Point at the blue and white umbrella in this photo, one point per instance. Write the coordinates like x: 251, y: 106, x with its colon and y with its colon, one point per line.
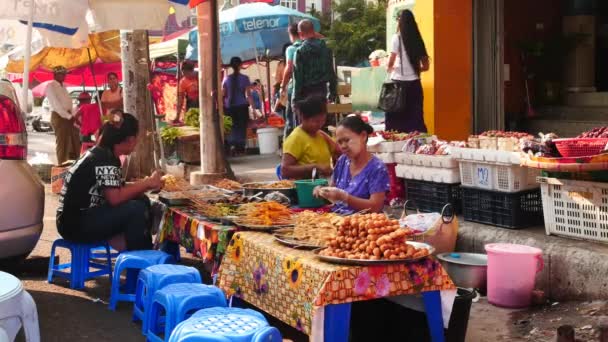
x: 249, y: 30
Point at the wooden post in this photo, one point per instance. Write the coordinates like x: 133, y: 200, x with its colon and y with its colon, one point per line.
x: 213, y: 164
x: 136, y: 76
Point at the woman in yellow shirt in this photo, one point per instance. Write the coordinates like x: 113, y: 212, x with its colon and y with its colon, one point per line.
x: 308, y: 147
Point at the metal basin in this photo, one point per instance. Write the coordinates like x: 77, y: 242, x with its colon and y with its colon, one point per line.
x: 466, y: 269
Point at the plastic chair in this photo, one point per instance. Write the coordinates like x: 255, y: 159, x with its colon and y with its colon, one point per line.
x: 155, y: 278
x: 225, y: 325
x: 15, y: 302
x: 177, y: 301
x: 279, y: 175
x: 80, y: 263
x: 101, y: 253
x: 133, y: 262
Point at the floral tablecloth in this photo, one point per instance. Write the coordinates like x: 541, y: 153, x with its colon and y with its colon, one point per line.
x: 291, y: 284
x: 205, y: 239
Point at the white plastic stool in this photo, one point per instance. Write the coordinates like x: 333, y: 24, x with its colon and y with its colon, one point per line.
x: 16, y: 303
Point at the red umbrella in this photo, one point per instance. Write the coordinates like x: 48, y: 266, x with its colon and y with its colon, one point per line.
x: 76, y: 76
x: 40, y: 90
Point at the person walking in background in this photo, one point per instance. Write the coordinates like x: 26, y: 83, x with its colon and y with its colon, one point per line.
x: 88, y: 120
x: 408, y: 59
x: 286, y: 87
x: 236, y: 89
x: 67, y: 142
x: 188, y: 90
x: 313, y: 66
x: 112, y: 97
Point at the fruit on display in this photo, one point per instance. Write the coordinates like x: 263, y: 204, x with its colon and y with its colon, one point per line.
x: 597, y: 132
x: 372, y: 237
x: 396, y: 136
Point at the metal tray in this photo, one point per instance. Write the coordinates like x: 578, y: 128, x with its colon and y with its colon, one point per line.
x: 365, y: 262
x: 252, y: 191
x: 174, y: 202
x: 289, y: 241
x: 260, y: 227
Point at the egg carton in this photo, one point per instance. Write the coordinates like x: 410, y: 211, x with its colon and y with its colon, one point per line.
x: 434, y: 161
x: 386, y: 157
x: 429, y: 174
x: 488, y: 156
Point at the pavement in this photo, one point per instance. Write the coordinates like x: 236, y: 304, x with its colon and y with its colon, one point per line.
x: 71, y: 315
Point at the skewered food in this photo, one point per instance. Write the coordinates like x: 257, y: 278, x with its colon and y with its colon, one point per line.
x: 172, y: 184
x: 314, y: 228
x: 264, y: 214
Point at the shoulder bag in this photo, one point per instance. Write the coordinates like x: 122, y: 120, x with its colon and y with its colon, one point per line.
x: 392, y: 98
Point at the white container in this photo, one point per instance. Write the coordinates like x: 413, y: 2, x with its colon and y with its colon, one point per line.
x: 386, y: 158
x: 497, y: 177
x: 429, y: 174
x: 392, y: 146
x: 490, y: 156
x: 268, y: 140
x: 575, y: 209
x: 403, y: 158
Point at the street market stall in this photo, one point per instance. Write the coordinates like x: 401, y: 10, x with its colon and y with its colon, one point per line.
x: 233, y: 233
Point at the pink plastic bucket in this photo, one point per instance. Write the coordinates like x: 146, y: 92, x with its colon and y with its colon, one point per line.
x: 512, y: 272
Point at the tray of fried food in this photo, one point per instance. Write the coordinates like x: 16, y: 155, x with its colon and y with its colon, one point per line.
x: 228, y: 184
x: 311, y: 230
x: 235, y: 199
x: 175, y: 184
x: 372, y: 239
x: 264, y: 216
x: 216, y: 211
x: 273, y: 185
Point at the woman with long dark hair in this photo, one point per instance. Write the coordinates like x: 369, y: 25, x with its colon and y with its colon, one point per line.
x: 95, y: 204
x: 237, y: 100
x: 408, y: 60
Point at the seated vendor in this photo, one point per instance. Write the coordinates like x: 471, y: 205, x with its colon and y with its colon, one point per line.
x: 360, y: 180
x: 308, y: 147
x: 95, y: 205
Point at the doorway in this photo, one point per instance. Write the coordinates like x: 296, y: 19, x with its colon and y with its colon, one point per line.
x: 488, y: 90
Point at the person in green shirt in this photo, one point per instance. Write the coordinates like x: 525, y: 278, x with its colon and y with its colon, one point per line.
x: 308, y: 147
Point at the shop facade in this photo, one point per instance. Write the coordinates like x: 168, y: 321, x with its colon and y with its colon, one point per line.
x: 512, y: 65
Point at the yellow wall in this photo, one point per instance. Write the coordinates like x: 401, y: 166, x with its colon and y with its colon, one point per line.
x: 446, y: 27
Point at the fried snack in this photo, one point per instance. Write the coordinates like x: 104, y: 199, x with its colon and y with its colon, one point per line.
x: 173, y: 184
x: 284, y: 184
x: 228, y: 184
x: 316, y: 229
x: 372, y: 237
x: 217, y: 210
x: 264, y: 214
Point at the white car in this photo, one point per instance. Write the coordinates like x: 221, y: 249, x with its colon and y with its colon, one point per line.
x: 21, y: 190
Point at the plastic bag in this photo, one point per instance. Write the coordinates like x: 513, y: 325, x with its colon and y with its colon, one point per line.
x: 440, y: 231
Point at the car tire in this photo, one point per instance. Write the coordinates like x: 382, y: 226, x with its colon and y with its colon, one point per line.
x: 38, y: 126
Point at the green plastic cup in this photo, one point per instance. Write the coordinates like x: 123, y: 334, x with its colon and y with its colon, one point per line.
x: 304, y: 190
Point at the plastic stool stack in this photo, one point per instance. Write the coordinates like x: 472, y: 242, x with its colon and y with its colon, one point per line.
x: 225, y: 325
x: 155, y: 278
x: 16, y: 302
x: 80, y: 264
x: 177, y: 301
x: 133, y: 262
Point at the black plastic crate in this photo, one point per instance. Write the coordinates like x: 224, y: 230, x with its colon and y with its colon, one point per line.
x: 432, y: 197
x: 508, y: 210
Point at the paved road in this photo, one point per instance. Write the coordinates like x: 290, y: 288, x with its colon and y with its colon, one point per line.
x: 41, y: 143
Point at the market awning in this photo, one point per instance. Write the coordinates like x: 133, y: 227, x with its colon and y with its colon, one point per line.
x: 173, y: 47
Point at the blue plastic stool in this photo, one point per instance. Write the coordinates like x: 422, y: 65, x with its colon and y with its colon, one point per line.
x: 133, y: 262
x: 225, y: 325
x: 178, y: 300
x: 101, y: 253
x: 80, y: 264
x: 155, y: 278
x: 278, y: 171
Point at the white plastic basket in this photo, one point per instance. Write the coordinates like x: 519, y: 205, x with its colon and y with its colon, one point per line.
x: 391, y: 146
x: 575, y: 208
x: 497, y: 177
x: 490, y: 156
x: 429, y: 174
